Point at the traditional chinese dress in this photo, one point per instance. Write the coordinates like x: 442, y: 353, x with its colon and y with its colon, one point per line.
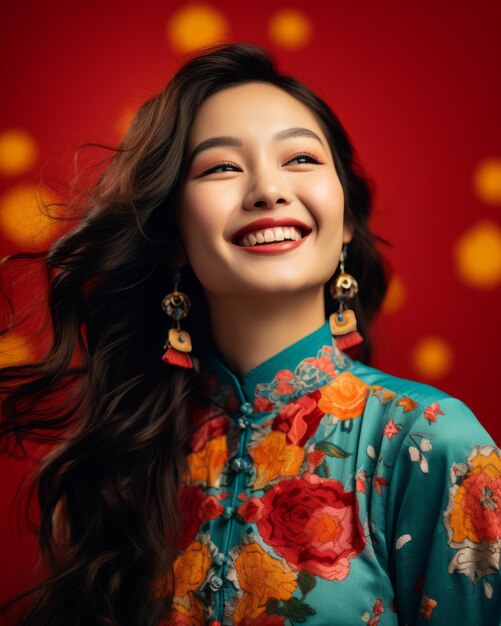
x: 324, y: 492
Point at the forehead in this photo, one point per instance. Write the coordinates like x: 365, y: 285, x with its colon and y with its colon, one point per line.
x: 249, y: 108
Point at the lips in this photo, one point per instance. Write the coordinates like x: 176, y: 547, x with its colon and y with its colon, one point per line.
x: 270, y: 222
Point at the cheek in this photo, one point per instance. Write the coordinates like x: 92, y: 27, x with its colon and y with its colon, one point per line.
x: 325, y: 197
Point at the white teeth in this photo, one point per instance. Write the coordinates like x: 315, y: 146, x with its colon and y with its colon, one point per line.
x: 269, y: 235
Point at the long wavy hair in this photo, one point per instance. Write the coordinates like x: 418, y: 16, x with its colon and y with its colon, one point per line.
x: 119, y: 415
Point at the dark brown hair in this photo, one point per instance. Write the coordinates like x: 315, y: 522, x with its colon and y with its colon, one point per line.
x: 124, y: 415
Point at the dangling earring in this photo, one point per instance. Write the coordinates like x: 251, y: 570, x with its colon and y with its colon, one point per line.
x: 343, y: 322
x: 177, y: 305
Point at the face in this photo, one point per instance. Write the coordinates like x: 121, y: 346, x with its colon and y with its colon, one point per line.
x: 257, y: 152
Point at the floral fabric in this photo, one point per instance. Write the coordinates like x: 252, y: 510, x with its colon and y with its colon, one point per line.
x: 322, y: 491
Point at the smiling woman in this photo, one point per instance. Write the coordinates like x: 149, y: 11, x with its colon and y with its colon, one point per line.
x: 253, y: 473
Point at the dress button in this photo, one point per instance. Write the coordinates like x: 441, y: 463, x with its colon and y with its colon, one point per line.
x: 216, y: 583
x: 246, y: 408
x: 228, y: 512
x: 219, y: 558
x: 243, y: 423
x: 239, y: 465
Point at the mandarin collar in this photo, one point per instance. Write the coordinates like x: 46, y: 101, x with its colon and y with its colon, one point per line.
x: 300, y: 368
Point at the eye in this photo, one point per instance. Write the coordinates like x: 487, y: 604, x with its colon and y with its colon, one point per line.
x: 225, y: 166
x: 302, y: 158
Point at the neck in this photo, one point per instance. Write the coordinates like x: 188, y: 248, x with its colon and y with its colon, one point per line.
x: 248, y: 331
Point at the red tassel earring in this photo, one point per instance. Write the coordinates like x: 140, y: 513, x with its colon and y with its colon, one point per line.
x: 343, y: 323
x: 177, y: 305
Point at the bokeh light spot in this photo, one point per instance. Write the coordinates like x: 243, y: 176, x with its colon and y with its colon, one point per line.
x: 477, y: 254
x: 22, y: 219
x: 18, y: 152
x: 195, y: 26
x: 290, y: 28
x: 487, y: 180
x: 432, y: 357
x: 15, y: 349
x: 395, y: 296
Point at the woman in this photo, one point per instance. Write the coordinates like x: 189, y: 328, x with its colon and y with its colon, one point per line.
x: 246, y: 470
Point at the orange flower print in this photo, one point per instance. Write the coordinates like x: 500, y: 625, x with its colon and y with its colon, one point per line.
x: 407, y: 403
x: 191, y: 568
x: 473, y: 514
x: 427, y: 606
x: 345, y: 397
x: 207, y: 464
x: 274, y: 457
x: 261, y: 578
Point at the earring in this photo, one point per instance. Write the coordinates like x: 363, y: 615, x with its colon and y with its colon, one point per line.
x: 178, y: 344
x: 343, y: 323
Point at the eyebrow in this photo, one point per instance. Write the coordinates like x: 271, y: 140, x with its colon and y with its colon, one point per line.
x: 235, y: 142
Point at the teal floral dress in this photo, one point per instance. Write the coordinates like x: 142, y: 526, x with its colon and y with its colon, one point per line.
x: 324, y: 492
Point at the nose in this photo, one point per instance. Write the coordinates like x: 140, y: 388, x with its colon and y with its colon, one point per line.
x: 265, y: 191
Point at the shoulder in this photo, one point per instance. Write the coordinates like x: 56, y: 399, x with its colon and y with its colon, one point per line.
x: 409, y: 413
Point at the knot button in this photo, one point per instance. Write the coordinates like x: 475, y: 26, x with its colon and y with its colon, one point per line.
x: 219, y: 558
x: 246, y: 408
x: 216, y: 583
x: 243, y: 423
x: 228, y: 512
x: 240, y: 465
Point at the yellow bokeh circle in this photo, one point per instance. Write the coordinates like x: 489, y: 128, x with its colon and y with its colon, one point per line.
x: 289, y: 28
x: 22, y: 219
x: 477, y: 255
x: 18, y: 152
x: 15, y: 349
x: 432, y: 357
x: 195, y: 26
x: 487, y: 180
x: 395, y: 296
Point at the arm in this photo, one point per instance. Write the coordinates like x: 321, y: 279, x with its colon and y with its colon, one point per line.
x: 444, y: 521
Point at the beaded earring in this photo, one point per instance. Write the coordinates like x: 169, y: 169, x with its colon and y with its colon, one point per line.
x: 343, y: 323
x: 178, y: 344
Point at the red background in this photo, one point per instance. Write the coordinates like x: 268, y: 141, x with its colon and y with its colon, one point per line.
x: 415, y: 84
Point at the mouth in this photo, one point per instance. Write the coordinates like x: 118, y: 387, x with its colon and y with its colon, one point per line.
x: 269, y: 231
x: 263, y: 237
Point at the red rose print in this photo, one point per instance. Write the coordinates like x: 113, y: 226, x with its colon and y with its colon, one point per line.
x: 323, y: 363
x: 284, y: 375
x: 313, y: 523
x: 197, y: 508
x: 210, y: 508
x: 315, y: 458
x: 391, y: 429
x: 251, y: 510
x: 284, y: 389
x: 210, y: 424
x: 299, y: 419
x: 263, y: 405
